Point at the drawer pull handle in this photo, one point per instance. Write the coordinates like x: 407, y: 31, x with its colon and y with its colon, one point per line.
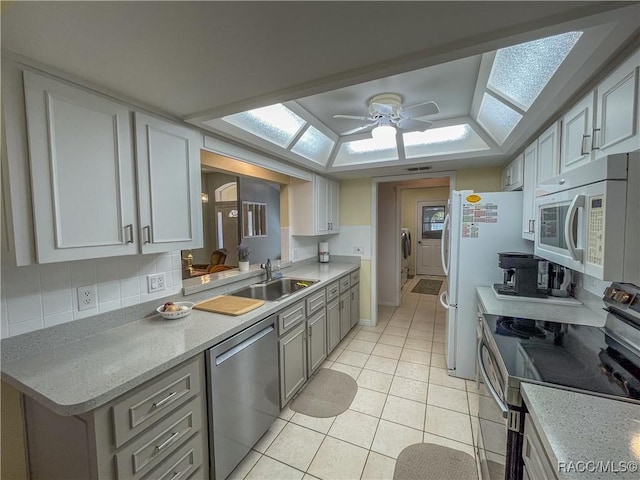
x: 175, y: 475
x: 164, y: 400
x: 167, y: 441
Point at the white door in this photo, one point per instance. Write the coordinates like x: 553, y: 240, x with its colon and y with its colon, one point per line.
x: 429, y: 224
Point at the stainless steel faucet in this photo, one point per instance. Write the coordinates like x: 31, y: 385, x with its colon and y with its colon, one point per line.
x: 267, y: 268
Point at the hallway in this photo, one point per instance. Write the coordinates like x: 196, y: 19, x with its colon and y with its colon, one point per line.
x: 404, y: 397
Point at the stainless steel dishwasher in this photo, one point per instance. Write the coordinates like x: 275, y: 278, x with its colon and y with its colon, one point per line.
x: 243, y: 393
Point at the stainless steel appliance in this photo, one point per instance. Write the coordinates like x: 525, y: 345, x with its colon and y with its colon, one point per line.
x: 601, y: 361
x: 243, y: 393
x: 589, y: 219
x: 520, y: 275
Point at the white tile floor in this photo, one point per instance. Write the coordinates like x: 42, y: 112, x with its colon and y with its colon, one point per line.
x: 404, y: 396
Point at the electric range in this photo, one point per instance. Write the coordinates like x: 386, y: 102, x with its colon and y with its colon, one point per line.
x: 599, y: 361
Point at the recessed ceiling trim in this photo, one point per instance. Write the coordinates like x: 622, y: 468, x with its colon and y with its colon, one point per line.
x: 483, y: 77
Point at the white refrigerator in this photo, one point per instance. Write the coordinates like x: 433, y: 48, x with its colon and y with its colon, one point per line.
x: 477, y: 227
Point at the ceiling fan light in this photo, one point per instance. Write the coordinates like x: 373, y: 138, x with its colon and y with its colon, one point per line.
x: 383, y: 132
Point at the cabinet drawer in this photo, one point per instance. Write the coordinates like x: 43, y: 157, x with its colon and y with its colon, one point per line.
x: 162, y: 439
x: 333, y: 291
x: 290, y: 316
x: 182, y: 463
x: 150, y: 402
x: 315, y: 301
x: 345, y: 283
x: 355, y: 277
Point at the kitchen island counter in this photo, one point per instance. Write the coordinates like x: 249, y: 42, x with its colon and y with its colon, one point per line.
x: 579, y: 430
x: 79, y: 376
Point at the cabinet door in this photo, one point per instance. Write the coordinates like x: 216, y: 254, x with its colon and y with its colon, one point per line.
x: 168, y: 161
x: 316, y: 341
x: 529, y: 192
x: 618, y: 112
x: 333, y: 324
x: 81, y: 171
x: 321, y: 189
x: 293, y: 362
x: 577, y: 125
x: 506, y: 177
x: 512, y: 175
x: 334, y: 206
x: 549, y: 153
x: 355, y: 305
x: 345, y: 313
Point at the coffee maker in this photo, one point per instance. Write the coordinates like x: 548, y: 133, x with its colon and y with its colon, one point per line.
x: 520, y: 275
x: 554, y: 279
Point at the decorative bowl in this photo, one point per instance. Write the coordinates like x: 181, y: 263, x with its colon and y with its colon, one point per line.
x: 185, y: 309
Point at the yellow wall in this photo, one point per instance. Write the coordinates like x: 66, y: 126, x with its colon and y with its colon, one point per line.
x: 479, y: 179
x: 408, y: 199
x: 355, y: 209
x: 13, y: 456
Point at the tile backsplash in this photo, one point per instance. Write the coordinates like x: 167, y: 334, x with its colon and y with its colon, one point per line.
x: 39, y: 296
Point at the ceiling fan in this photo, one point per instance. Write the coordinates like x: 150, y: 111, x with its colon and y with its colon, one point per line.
x: 387, y: 115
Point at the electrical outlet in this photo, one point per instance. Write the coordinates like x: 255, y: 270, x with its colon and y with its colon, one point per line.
x: 156, y: 282
x: 87, y: 297
x: 358, y: 249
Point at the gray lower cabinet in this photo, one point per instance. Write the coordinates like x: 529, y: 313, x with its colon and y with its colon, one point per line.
x: 293, y: 362
x: 156, y: 431
x: 345, y: 313
x: 355, y: 305
x: 316, y: 341
x: 333, y: 324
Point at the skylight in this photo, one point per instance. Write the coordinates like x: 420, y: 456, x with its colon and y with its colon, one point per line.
x: 442, y: 141
x: 367, y: 150
x: 275, y: 123
x: 521, y: 72
x: 496, y: 118
x: 314, y: 145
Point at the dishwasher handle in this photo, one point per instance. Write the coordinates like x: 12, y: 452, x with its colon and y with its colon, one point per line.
x: 241, y: 346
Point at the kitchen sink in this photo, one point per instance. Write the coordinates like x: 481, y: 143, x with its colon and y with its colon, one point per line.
x: 274, y: 289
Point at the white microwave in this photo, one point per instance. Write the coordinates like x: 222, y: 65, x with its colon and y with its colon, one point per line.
x: 589, y: 219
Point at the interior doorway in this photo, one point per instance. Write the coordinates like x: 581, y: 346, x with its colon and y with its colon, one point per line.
x: 429, y: 223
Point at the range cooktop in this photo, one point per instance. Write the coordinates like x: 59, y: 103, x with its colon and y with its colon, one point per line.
x: 560, y: 354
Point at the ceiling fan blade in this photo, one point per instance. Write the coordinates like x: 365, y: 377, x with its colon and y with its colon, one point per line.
x: 420, y: 110
x: 356, y: 130
x: 352, y: 117
x: 412, y: 124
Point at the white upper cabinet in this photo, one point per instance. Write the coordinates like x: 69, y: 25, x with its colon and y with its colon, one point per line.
x: 577, y: 137
x: 512, y: 175
x: 168, y: 164
x: 82, y: 173
x: 529, y: 191
x: 319, y: 216
x: 548, y: 153
x: 618, y: 110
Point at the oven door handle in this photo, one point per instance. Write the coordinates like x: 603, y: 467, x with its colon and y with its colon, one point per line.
x: 575, y: 252
x: 487, y: 382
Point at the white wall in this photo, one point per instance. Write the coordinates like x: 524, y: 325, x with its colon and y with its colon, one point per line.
x: 39, y: 296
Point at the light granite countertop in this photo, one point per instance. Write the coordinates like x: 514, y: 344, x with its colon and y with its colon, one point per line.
x: 577, y: 428
x: 577, y: 314
x: 83, y: 374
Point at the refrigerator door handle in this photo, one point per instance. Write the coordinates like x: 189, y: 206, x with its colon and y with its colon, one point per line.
x: 443, y: 302
x: 443, y: 243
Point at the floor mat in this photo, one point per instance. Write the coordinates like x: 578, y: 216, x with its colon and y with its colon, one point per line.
x: 427, y: 286
x: 426, y: 461
x: 329, y: 393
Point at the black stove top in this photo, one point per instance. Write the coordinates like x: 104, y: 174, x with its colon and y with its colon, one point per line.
x: 573, y: 356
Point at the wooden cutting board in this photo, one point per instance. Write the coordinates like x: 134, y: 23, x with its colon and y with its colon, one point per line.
x: 229, y: 305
